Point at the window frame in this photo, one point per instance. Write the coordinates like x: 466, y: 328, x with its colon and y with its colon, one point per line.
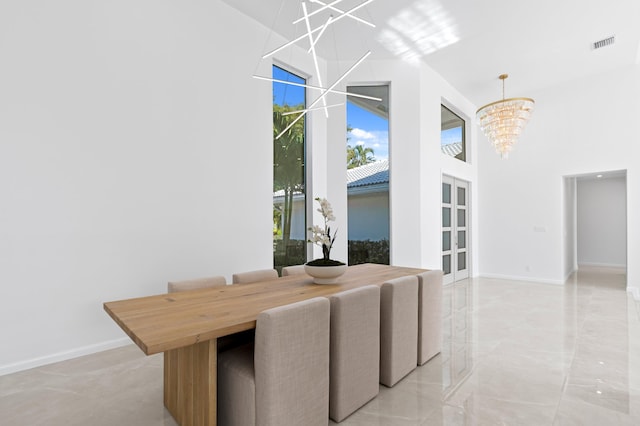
x: 464, y: 154
x: 306, y: 175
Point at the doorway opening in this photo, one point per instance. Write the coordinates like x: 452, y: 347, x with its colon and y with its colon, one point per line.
x: 596, y: 221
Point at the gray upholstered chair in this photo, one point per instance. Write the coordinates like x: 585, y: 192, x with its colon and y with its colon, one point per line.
x: 284, y: 380
x: 174, y: 286
x: 293, y: 270
x: 398, y: 329
x: 253, y: 276
x: 355, y: 350
x: 429, y: 315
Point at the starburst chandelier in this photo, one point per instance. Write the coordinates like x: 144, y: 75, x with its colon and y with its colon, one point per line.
x: 502, y: 121
x: 313, y: 35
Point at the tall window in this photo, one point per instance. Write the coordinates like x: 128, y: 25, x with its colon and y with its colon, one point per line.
x: 289, y: 193
x: 368, y: 175
x: 452, y: 138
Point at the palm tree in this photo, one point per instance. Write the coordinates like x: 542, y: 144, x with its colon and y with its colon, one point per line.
x: 359, y: 156
x: 351, y: 154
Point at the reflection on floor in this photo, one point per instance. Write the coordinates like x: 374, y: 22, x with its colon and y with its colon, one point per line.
x: 515, y: 353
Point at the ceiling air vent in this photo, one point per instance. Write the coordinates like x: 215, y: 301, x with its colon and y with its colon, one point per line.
x: 604, y: 42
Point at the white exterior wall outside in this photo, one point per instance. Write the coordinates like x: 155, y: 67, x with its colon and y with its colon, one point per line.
x: 369, y: 216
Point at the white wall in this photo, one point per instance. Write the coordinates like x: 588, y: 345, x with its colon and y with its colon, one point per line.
x: 416, y: 161
x: 602, y: 222
x: 436, y: 91
x: 582, y: 126
x: 134, y: 149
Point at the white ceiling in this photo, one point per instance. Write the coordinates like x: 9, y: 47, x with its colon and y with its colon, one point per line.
x: 470, y: 42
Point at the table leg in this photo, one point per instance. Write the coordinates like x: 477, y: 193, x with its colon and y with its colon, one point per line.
x: 190, y: 376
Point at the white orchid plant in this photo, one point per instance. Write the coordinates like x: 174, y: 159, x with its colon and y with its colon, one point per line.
x: 322, y: 235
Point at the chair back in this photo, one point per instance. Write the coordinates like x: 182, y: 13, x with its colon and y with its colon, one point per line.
x: 398, y: 329
x: 174, y: 286
x: 429, y: 315
x: 291, y: 362
x: 293, y: 270
x: 355, y: 350
x: 254, y: 276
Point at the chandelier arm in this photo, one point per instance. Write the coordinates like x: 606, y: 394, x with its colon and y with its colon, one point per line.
x: 273, y: 52
x: 308, y: 86
x: 335, y: 9
x: 315, y: 12
x: 325, y: 93
x: 326, y: 25
x: 313, y: 52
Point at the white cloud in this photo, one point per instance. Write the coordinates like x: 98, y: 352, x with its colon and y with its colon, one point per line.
x: 362, y: 134
x: 376, y: 139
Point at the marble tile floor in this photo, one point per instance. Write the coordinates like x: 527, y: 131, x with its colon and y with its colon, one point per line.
x: 515, y: 353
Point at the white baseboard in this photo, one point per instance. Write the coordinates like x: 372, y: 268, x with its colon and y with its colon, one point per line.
x: 568, y: 275
x: 603, y: 265
x: 63, y: 356
x: 635, y: 291
x: 528, y: 279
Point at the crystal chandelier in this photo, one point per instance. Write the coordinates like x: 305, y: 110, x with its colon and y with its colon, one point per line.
x: 503, y: 121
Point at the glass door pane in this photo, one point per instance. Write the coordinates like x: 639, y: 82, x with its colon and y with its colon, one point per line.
x: 461, y: 196
x: 446, y: 240
x: 446, y: 193
x: 462, y: 239
x: 462, y: 218
x: 446, y: 264
x: 446, y: 217
x: 462, y: 261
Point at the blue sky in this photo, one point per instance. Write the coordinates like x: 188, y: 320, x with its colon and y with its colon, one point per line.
x: 285, y: 93
x: 368, y: 129
x: 451, y: 136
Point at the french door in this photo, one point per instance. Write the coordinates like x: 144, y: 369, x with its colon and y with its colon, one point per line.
x: 455, y: 229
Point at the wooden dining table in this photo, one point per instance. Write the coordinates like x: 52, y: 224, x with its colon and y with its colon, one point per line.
x: 186, y: 326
